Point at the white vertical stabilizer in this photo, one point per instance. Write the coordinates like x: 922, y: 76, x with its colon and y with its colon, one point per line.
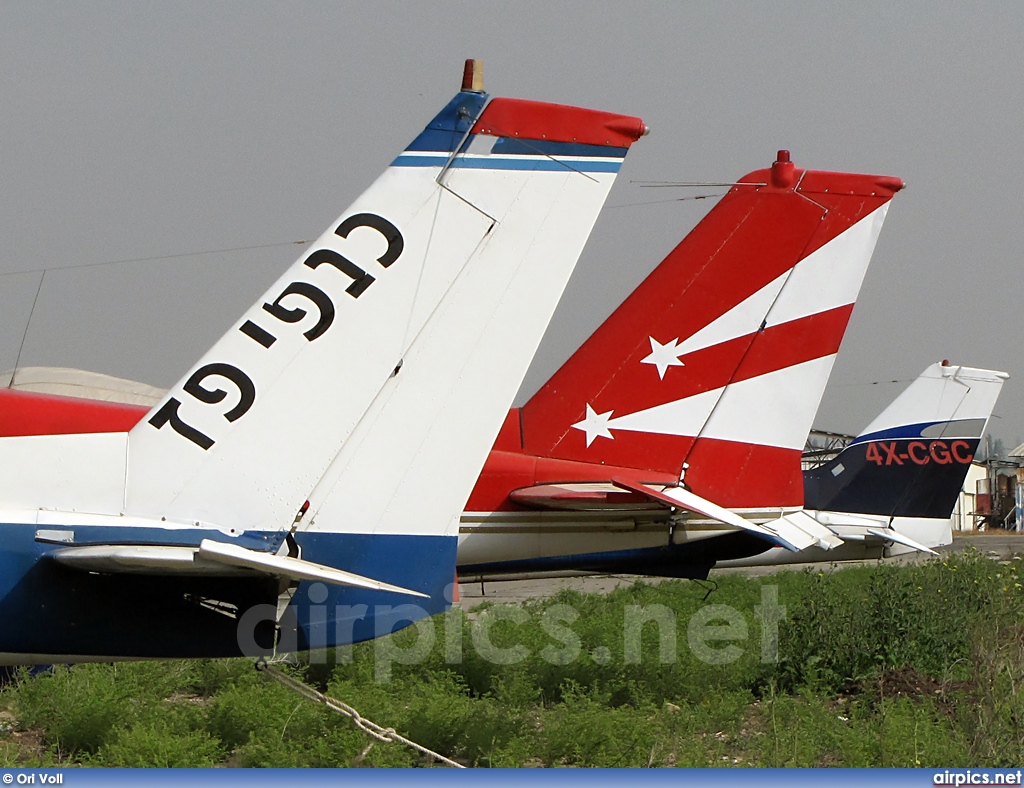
x: 403, y: 336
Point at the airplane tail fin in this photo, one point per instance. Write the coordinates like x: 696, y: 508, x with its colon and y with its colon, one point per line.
x: 911, y: 460
x: 401, y: 337
x: 715, y: 365
x: 319, y: 455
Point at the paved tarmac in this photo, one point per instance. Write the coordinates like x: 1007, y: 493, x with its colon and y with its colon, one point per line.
x: 996, y: 544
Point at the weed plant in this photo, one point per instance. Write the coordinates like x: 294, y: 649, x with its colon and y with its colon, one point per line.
x: 919, y: 665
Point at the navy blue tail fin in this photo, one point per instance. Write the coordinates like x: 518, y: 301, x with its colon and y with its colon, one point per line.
x: 911, y: 461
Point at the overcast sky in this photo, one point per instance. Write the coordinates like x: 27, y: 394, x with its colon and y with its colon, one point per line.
x: 144, y: 130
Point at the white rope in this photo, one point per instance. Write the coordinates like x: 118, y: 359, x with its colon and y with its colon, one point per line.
x: 368, y: 726
x: 689, y: 184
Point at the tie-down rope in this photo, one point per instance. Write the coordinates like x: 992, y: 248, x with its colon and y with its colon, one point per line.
x: 378, y: 732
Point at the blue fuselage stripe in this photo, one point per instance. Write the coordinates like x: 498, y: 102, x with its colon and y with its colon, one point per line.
x: 690, y: 559
x: 51, y: 609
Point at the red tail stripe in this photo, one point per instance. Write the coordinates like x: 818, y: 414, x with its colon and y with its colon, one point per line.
x: 795, y: 342
x: 775, y: 348
x: 745, y: 475
x: 650, y: 451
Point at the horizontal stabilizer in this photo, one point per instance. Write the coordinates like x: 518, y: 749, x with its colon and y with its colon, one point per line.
x: 684, y: 499
x: 136, y: 559
x: 582, y: 496
x: 293, y: 568
x: 795, y: 532
x: 894, y: 536
x: 862, y: 528
x: 211, y: 559
x: 802, y: 531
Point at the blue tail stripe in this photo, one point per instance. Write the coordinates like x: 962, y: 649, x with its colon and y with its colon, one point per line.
x: 509, y: 163
x: 450, y: 125
x: 917, y: 430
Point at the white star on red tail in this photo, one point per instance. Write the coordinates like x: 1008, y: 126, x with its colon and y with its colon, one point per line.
x: 595, y: 425
x: 664, y: 356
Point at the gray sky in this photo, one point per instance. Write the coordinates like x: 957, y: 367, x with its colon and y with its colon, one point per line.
x: 137, y: 130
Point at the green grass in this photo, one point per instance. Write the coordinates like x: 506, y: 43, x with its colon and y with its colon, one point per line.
x: 919, y: 665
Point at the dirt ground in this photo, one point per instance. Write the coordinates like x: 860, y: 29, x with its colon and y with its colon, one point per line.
x: 1001, y: 544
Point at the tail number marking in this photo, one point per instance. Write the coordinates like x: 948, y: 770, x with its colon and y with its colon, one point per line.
x: 920, y: 453
x: 168, y: 414
x: 361, y: 280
